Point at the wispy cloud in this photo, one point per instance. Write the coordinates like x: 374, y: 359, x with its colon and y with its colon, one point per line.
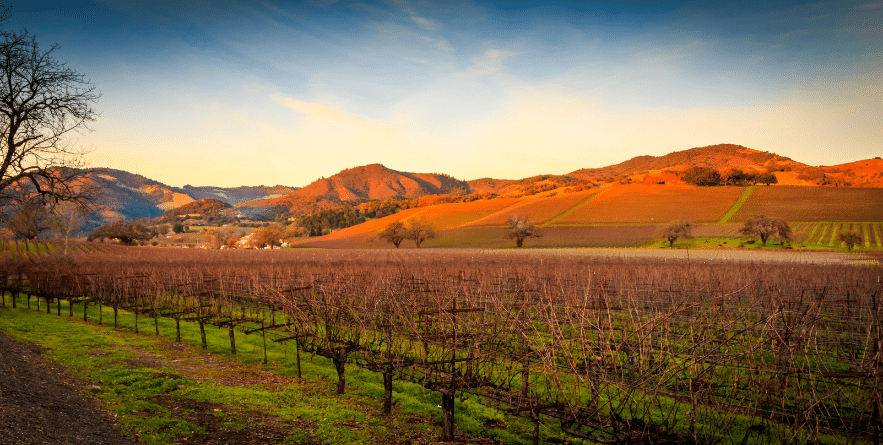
x: 427, y: 24
x: 489, y: 62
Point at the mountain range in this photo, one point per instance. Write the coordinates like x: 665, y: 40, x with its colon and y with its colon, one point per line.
x: 131, y: 196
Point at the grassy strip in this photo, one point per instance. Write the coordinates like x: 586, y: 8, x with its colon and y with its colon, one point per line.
x: 834, y: 228
x: 572, y: 209
x: 113, y: 358
x: 738, y: 205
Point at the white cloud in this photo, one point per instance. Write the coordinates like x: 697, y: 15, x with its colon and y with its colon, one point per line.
x: 427, y: 24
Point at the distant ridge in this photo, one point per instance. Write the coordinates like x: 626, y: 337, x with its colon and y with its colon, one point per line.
x: 718, y: 157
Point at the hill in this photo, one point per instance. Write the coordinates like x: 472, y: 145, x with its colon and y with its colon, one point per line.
x: 718, y: 157
x: 134, y: 196
x: 236, y: 195
x: 375, y: 182
x: 625, y: 215
x: 131, y: 196
x: 202, y: 208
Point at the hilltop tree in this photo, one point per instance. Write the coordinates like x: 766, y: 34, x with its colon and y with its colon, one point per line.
x: 41, y: 102
x: 767, y: 178
x: 850, y: 238
x: 765, y: 227
x: 519, y: 228
x: 394, y: 233
x: 675, y: 230
x: 419, y: 230
x: 701, y: 176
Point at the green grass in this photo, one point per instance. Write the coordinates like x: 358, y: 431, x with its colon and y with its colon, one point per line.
x: 99, y: 354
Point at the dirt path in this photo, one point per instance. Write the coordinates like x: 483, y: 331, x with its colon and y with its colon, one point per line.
x: 43, y: 405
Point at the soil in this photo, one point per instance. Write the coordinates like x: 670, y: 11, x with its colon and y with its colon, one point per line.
x: 40, y: 404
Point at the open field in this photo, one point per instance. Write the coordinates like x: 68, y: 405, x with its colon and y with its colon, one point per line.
x: 795, y: 203
x: 630, y: 348
x: 539, y: 210
x: 654, y: 204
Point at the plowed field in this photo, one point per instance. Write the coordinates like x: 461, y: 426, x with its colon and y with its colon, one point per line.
x: 654, y: 204
x: 794, y: 203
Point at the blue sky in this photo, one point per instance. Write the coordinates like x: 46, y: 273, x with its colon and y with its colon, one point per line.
x: 269, y: 92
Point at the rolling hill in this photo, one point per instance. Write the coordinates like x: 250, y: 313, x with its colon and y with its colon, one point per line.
x: 654, y: 191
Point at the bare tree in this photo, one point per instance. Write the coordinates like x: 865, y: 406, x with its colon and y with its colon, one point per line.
x: 69, y: 219
x: 765, y: 227
x: 29, y: 219
x: 394, y: 233
x: 41, y: 102
x: 420, y: 230
x: 674, y: 230
x: 519, y: 228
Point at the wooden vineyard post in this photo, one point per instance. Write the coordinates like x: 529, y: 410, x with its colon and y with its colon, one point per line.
x: 876, y: 421
x: 202, y: 333
x: 85, y: 310
x: 232, y: 340
x: 178, y: 329
x: 264, y: 341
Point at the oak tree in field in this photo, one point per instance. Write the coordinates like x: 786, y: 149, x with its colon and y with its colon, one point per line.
x: 419, y: 230
x: 765, y: 227
x: 519, y: 228
x: 128, y: 233
x: 268, y: 236
x: 221, y: 237
x: 674, y: 230
x: 394, y: 233
x: 42, y: 101
x: 850, y: 238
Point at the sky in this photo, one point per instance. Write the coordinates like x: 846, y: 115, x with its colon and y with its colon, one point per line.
x: 266, y: 92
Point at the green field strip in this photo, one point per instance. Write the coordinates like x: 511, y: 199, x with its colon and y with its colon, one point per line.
x: 812, y: 233
x: 876, y: 230
x: 738, y: 205
x: 572, y: 209
x: 866, y: 234
x: 834, y: 230
x: 821, y: 239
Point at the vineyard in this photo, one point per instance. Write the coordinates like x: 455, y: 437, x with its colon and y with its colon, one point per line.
x: 794, y: 203
x: 601, y: 349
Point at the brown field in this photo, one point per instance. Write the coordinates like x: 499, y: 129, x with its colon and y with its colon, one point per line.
x: 448, y: 216
x: 793, y: 203
x: 654, y: 204
x: 537, y: 210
